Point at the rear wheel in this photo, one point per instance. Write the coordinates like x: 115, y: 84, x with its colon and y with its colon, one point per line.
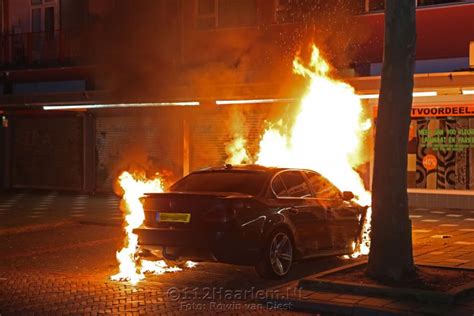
x: 277, y: 256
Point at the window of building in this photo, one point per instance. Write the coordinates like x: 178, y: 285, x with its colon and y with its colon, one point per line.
x: 376, y: 5
x: 43, y: 17
x: 379, y: 5
x: 2, y: 21
x: 435, y: 2
x: 206, y: 14
x: 225, y: 13
x: 284, y: 11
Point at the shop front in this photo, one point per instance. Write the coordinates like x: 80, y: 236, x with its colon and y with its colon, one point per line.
x: 441, y: 155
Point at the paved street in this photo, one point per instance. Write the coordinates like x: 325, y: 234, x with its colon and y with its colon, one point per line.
x: 65, y: 268
x: 21, y: 208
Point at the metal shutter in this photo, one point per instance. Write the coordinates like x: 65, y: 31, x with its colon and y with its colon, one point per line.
x: 127, y: 140
x: 47, y: 151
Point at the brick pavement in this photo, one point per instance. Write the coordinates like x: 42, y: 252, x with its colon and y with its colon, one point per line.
x: 440, y: 236
x: 18, y: 208
x: 443, y: 237
x: 40, y: 294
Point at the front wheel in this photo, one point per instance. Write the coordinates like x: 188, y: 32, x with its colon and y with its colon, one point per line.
x: 277, y: 256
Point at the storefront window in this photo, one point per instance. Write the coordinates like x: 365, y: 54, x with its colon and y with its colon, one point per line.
x: 441, y: 152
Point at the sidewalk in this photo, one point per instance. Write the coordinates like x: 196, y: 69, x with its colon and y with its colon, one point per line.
x: 37, y: 207
x: 352, y: 304
x: 441, y: 237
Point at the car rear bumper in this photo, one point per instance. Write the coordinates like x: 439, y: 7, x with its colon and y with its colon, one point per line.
x: 229, y: 246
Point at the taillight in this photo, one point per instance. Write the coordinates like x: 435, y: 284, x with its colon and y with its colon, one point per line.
x: 221, y: 215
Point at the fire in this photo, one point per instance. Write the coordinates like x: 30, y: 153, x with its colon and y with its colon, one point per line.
x: 131, y: 269
x: 236, y: 148
x: 325, y: 136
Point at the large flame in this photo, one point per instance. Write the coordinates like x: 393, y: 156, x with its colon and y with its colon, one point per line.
x: 325, y: 136
x: 135, y: 185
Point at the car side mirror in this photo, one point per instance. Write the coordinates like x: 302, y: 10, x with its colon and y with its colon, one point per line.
x: 347, y: 195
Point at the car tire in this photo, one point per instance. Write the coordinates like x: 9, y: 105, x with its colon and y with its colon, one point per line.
x: 277, y: 256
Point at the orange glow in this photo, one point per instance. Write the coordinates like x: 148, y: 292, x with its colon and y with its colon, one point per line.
x: 135, y: 185
x: 325, y: 136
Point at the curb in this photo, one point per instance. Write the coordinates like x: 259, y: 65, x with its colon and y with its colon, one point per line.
x: 319, y: 283
x: 318, y: 307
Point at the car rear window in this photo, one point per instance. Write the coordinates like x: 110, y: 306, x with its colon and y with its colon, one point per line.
x: 246, y: 182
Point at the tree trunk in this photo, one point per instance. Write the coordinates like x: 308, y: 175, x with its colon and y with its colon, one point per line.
x: 391, y: 255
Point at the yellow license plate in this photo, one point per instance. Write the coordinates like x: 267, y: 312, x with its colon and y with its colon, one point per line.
x: 173, y: 217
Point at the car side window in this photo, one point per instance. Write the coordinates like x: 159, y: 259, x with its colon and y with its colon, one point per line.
x: 295, y: 184
x: 323, y: 189
x: 278, y: 187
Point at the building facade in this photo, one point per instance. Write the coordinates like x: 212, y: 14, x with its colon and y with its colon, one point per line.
x: 160, y: 66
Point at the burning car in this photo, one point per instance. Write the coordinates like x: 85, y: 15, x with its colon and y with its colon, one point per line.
x: 250, y: 215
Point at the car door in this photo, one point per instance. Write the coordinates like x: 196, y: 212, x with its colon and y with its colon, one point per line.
x: 342, y: 217
x: 303, y: 211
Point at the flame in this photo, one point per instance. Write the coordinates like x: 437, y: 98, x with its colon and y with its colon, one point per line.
x: 236, y: 148
x: 325, y: 136
x: 135, y: 185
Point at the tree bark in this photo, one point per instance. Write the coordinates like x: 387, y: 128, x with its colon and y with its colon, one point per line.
x: 391, y: 253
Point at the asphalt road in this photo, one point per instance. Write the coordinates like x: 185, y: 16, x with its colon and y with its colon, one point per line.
x: 67, y: 268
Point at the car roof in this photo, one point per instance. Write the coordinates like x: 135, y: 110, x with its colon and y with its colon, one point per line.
x: 250, y: 167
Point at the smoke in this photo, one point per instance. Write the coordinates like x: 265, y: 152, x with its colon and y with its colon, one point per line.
x: 149, y: 50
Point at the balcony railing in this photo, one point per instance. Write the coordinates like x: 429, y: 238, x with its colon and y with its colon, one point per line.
x: 26, y: 49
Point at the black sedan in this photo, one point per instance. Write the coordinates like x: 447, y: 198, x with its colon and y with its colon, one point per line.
x: 250, y: 215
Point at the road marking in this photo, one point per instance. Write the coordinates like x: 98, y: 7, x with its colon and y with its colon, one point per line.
x: 453, y: 215
x: 469, y: 219
x: 449, y: 225
x: 416, y: 216
x: 464, y: 243
x: 430, y: 220
x: 438, y: 212
x: 466, y: 230
x: 421, y: 230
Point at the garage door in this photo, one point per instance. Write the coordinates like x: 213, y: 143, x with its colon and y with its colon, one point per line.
x: 47, y: 151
